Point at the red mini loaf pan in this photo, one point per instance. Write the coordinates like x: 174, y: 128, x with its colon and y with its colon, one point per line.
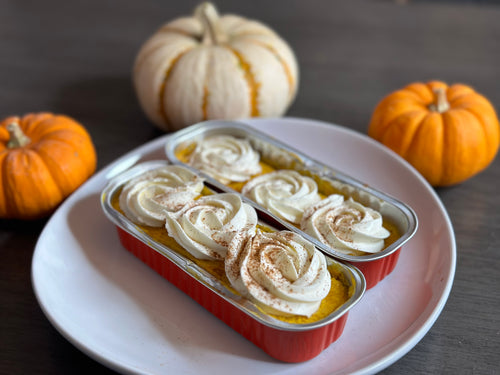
x: 284, y: 341
x: 375, y: 266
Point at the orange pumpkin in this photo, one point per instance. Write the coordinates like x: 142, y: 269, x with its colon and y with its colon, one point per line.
x: 448, y: 133
x: 43, y: 159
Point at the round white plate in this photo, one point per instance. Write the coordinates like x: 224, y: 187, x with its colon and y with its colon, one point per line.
x: 121, y: 313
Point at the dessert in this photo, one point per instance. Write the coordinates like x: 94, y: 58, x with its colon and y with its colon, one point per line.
x: 146, y: 199
x: 284, y: 273
x: 206, y: 226
x: 285, y: 193
x: 276, y: 158
x: 288, y: 194
x: 328, y: 288
x: 279, y: 270
x: 225, y: 158
x: 345, y: 225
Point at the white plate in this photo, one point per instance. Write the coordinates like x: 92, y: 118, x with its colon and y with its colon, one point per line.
x: 121, y: 313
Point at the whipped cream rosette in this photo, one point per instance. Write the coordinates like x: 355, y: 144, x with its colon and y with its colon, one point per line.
x: 285, y: 193
x: 345, y: 225
x: 146, y: 198
x: 281, y: 271
x: 205, y: 227
x: 226, y: 158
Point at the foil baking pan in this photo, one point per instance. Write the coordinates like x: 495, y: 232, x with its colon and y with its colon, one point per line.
x: 282, y: 340
x: 375, y: 266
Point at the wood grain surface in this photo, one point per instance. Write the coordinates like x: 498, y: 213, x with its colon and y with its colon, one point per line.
x: 75, y: 57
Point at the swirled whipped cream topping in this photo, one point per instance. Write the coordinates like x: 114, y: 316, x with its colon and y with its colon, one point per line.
x: 145, y: 199
x: 206, y: 226
x: 281, y: 271
x: 345, y: 225
x: 285, y: 193
x: 226, y: 158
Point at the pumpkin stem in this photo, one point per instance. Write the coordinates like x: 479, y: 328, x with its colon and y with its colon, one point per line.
x: 441, y: 103
x: 16, y: 136
x: 209, y: 17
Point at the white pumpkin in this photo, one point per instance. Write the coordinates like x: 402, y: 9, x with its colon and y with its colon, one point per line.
x: 209, y: 67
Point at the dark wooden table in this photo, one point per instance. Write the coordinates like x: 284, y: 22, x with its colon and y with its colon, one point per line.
x: 76, y: 58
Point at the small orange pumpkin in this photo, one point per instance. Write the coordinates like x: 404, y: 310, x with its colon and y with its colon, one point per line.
x: 448, y: 133
x: 43, y: 159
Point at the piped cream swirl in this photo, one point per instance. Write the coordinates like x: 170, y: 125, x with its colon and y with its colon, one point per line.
x: 345, y: 225
x: 206, y: 226
x: 146, y: 198
x: 226, y: 158
x: 285, y: 193
x: 281, y: 271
